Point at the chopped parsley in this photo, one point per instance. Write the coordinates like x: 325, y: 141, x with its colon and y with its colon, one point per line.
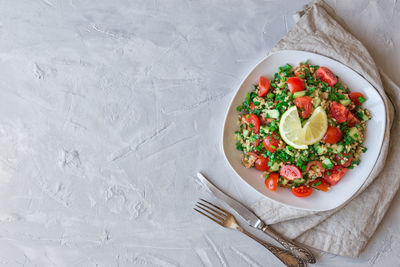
x: 239, y: 146
x: 277, y: 101
x: 361, y: 99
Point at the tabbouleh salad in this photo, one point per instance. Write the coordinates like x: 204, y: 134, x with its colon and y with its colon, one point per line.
x: 303, y: 92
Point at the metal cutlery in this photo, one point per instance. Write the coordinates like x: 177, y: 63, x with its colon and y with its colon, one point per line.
x: 254, y: 221
x: 227, y: 220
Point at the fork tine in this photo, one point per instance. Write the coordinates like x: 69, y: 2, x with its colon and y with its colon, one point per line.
x: 214, y: 210
x: 216, y: 216
x: 224, y: 211
x: 220, y: 223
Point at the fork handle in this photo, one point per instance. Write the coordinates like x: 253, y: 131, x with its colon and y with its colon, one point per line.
x: 283, y: 255
x: 300, y: 252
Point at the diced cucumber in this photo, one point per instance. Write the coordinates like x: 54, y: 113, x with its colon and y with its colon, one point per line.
x: 354, y: 133
x: 319, y: 149
x: 327, y: 164
x: 288, y: 151
x: 317, y: 102
x: 263, y: 130
x: 363, y: 117
x: 299, y: 181
x: 339, y: 148
x: 273, y: 113
x: 284, y: 181
x: 345, y: 102
x: 238, y: 136
x: 274, y: 167
x: 299, y: 94
x: 248, y: 148
x: 245, y: 133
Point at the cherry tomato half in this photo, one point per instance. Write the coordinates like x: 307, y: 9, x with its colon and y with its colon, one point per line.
x: 320, y: 184
x: 271, y: 142
x: 263, y: 86
x: 339, y: 112
x: 302, y: 191
x: 290, y: 172
x: 272, y: 181
x: 334, y: 175
x: 261, y: 164
x: 253, y: 120
x: 333, y: 135
x: 305, y: 105
x: 352, y: 120
x: 326, y: 75
x: 295, y: 84
x: 354, y: 97
x: 348, y: 160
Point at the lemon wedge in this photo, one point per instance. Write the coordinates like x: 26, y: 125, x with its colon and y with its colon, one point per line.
x: 315, y: 128
x: 290, y: 128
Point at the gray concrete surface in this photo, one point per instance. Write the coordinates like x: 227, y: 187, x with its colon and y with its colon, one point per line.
x: 109, y: 108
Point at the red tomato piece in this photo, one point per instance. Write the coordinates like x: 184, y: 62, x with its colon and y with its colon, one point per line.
x: 302, y: 191
x: 352, y: 120
x: 261, y: 164
x: 326, y: 75
x: 305, y: 105
x: 263, y: 86
x: 271, y: 142
x: 354, y: 97
x: 334, y: 175
x: 315, y: 166
x: 348, y: 161
x: 252, y: 106
x: 333, y: 135
x: 290, y: 172
x: 339, y: 112
x: 272, y: 181
x: 295, y: 84
x: 320, y: 184
x: 253, y: 120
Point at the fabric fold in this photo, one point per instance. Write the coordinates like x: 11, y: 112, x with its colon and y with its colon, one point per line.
x: 346, y: 229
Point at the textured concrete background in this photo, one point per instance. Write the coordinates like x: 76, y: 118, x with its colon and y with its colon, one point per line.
x: 109, y: 108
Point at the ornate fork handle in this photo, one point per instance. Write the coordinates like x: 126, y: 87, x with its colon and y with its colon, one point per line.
x: 285, y: 256
x: 300, y: 252
x: 227, y: 220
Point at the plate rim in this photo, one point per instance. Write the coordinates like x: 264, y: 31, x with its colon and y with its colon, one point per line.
x: 251, y: 186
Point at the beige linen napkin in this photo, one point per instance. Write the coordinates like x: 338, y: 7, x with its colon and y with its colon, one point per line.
x: 347, y: 229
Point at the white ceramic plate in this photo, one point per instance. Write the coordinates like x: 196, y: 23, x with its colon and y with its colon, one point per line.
x: 353, y: 180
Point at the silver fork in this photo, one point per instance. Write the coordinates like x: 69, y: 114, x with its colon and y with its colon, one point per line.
x: 226, y: 219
